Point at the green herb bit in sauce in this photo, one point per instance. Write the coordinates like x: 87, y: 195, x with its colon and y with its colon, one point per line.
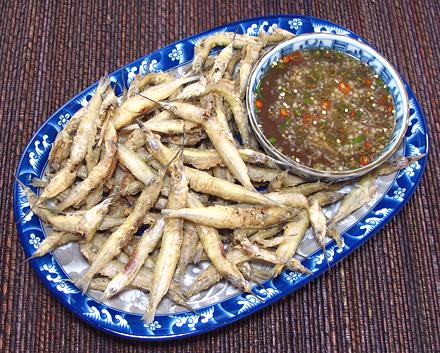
x: 273, y: 140
x: 358, y: 139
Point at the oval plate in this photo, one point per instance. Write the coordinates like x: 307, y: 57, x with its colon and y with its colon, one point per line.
x: 223, y: 312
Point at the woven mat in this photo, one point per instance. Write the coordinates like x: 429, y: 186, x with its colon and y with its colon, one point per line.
x: 383, y: 298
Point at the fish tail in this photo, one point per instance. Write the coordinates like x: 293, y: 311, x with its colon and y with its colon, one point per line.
x: 277, y: 270
x: 33, y: 256
x: 336, y: 236
x: 259, y: 298
x: 149, y: 314
x: 188, y: 79
x: 325, y: 254
x: 84, y: 282
x: 103, y: 83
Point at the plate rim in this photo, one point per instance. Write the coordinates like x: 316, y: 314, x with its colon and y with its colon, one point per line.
x: 205, y: 328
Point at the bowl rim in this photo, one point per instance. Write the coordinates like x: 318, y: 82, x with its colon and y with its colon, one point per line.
x: 316, y: 173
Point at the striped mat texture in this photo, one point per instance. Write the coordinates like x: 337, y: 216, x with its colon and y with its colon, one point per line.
x: 383, y: 298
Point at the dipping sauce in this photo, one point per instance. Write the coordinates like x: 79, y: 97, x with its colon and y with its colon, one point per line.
x: 325, y: 110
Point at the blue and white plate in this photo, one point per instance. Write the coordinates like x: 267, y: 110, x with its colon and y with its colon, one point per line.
x: 222, y: 304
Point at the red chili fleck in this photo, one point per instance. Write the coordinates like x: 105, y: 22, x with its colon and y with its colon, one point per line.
x: 344, y: 87
x: 364, y: 160
x: 259, y: 104
x: 284, y: 112
x: 295, y: 55
x: 326, y: 104
x: 296, y: 58
x: 307, y: 119
x: 383, y: 100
